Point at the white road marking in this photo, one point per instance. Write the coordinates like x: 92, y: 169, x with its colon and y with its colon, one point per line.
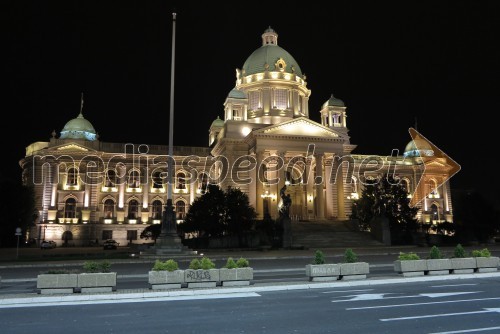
x: 348, y: 291
x: 486, y: 310
x: 131, y: 300
x: 440, y: 286
x: 484, y: 329
x: 375, y: 296
x: 429, y: 303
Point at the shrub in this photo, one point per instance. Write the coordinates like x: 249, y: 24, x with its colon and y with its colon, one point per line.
x: 195, y: 264
x: 435, y: 253
x: 230, y: 264
x: 481, y: 253
x: 206, y: 263
x: 169, y: 265
x: 350, y: 256
x: 408, y: 256
x: 319, y: 257
x: 460, y: 252
x: 96, y: 267
x: 242, y: 263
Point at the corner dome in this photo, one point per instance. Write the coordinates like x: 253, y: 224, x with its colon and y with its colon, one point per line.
x: 79, y: 128
x: 334, y: 102
x: 268, y: 56
x: 217, y: 123
x: 236, y: 94
x: 418, y: 148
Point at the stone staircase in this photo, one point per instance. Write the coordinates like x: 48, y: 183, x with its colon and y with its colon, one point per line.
x: 330, y: 234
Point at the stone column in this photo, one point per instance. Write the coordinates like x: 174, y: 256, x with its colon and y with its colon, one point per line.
x: 330, y: 118
x: 329, y: 193
x: 340, y: 189
x: 320, y: 201
x: 260, y: 187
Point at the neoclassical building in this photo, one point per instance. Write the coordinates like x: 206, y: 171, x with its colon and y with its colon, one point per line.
x: 87, y: 189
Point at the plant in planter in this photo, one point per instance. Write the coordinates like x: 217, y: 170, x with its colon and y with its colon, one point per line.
x: 485, y: 263
x: 319, y: 271
x: 236, y: 273
x: 166, y: 275
x: 436, y: 265
x: 351, y: 269
x: 410, y: 264
x: 460, y: 263
x: 57, y: 281
x: 201, y: 274
x: 97, y: 277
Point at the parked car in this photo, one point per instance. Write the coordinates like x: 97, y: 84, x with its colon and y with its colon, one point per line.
x: 48, y: 244
x: 110, y: 244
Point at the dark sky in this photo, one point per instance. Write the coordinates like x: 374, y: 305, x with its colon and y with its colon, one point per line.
x: 389, y: 62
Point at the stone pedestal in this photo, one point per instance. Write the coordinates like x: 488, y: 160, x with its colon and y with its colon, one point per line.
x: 286, y: 223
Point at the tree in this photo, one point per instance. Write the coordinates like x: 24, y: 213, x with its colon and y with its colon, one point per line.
x: 218, y: 213
x: 386, y: 197
x: 151, y: 232
x: 18, y: 210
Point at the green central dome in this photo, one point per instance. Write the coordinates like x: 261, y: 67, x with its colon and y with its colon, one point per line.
x: 269, y: 54
x: 79, y: 128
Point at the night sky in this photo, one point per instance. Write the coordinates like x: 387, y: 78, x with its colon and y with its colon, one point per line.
x: 389, y: 62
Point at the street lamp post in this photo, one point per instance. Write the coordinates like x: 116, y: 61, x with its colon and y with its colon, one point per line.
x: 18, y: 234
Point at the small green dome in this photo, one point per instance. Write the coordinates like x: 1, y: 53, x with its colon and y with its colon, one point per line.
x: 237, y: 94
x: 334, y: 102
x: 217, y: 123
x: 79, y: 128
x: 418, y: 148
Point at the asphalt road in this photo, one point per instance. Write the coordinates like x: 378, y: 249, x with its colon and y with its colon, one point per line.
x: 453, y: 306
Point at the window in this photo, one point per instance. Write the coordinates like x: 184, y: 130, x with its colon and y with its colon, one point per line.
x: 70, y: 208
x: 157, y: 180
x: 204, y: 183
x: 133, y: 209
x: 72, y: 177
x: 180, y: 209
x: 109, y: 208
x: 406, y: 185
x: 281, y: 98
x: 181, y: 181
x: 131, y: 235
x: 157, y: 209
x: 434, y: 212
x: 254, y: 100
x: 133, y: 179
x: 432, y: 188
x: 110, y: 178
x: 107, y: 234
x: 236, y: 115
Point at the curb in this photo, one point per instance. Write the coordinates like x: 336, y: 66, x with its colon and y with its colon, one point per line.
x: 219, y: 292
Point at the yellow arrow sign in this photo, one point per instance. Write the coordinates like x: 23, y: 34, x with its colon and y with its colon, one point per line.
x: 430, y: 153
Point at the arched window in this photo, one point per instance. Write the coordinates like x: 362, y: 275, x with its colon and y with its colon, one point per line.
x: 406, y: 185
x: 133, y: 209
x: 432, y: 188
x: 157, y: 180
x: 180, y: 209
x: 72, y: 177
x: 157, y: 208
x: 181, y: 181
x: 133, y: 179
x: 110, y: 178
x: 70, y: 208
x: 434, y: 212
x: 203, y: 183
x: 109, y: 208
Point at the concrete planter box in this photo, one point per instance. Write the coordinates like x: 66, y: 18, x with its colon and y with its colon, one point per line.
x: 201, y: 278
x: 97, y: 282
x: 410, y: 268
x: 464, y: 265
x: 487, y: 264
x: 56, y: 283
x: 163, y: 279
x: 236, y: 277
x: 353, y: 271
x: 323, y: 272
x: 438, y: 266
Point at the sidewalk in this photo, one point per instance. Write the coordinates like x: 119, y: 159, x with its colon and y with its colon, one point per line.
x: 146, y: 295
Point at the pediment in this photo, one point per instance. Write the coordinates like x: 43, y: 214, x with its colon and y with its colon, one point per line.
x: 299, y: 127
x: 72, y: 147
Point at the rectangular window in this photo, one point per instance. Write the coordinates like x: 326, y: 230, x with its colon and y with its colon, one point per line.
x: 281, y: 98
x: 254, y: 100
x: 131, y: 235
x: 107, y: 234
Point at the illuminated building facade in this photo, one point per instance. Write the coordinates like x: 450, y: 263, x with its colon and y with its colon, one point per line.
x: 87, y: 189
